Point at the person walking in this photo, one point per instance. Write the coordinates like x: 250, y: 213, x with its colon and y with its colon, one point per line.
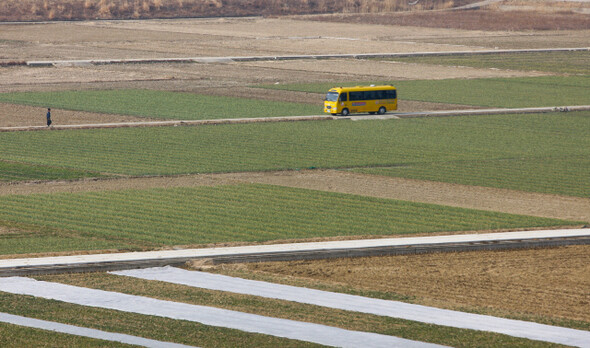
x: 48, y: 117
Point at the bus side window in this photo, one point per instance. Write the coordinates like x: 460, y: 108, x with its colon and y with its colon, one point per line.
x: 343, y: 97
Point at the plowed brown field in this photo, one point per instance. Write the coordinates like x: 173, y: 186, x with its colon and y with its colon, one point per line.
x: 550, y: 283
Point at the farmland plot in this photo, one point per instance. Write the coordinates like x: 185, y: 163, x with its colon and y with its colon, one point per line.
x: 488, y: 92
x: 542, y: 285
x: 160, y: 104
x: 558, y: 62
x: 241, y: 213
x: 471, y: 153
x: 511, y: 148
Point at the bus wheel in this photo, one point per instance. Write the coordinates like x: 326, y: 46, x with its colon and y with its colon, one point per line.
x: 345, y: 112
x: 382, y: 110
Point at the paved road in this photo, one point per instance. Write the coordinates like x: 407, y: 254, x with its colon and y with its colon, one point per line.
x: 365, y: 247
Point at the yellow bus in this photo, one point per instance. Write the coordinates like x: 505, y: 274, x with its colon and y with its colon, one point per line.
x: 371, y: 99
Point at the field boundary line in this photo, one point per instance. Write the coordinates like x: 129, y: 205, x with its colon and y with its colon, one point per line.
x: 295, y: 251
x: 175, y: 123
x: 228, y: 59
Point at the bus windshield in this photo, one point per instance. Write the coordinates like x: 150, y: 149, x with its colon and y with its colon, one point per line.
x: 332, y: 96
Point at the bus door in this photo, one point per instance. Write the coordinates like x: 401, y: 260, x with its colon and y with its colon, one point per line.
x: 343, y: 101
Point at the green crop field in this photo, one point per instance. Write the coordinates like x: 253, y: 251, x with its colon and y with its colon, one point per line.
x: 19, y: 172
x: 557, y: 175
x: 556, y: 62
x: 489, y: 92
x: 160, y: 104
x: 245, y: 213
x: 542, y: 153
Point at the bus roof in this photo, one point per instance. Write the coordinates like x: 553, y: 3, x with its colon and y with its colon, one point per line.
x: 361, y: 88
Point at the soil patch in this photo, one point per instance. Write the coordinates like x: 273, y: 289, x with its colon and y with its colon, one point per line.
x: 542, y: 282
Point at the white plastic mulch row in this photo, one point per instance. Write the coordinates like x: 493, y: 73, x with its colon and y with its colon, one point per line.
x: 395, y: 309
x: 309, y: 332
x: 86, y: 332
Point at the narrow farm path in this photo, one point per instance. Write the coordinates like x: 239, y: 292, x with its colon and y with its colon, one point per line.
x: 473, y: 197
